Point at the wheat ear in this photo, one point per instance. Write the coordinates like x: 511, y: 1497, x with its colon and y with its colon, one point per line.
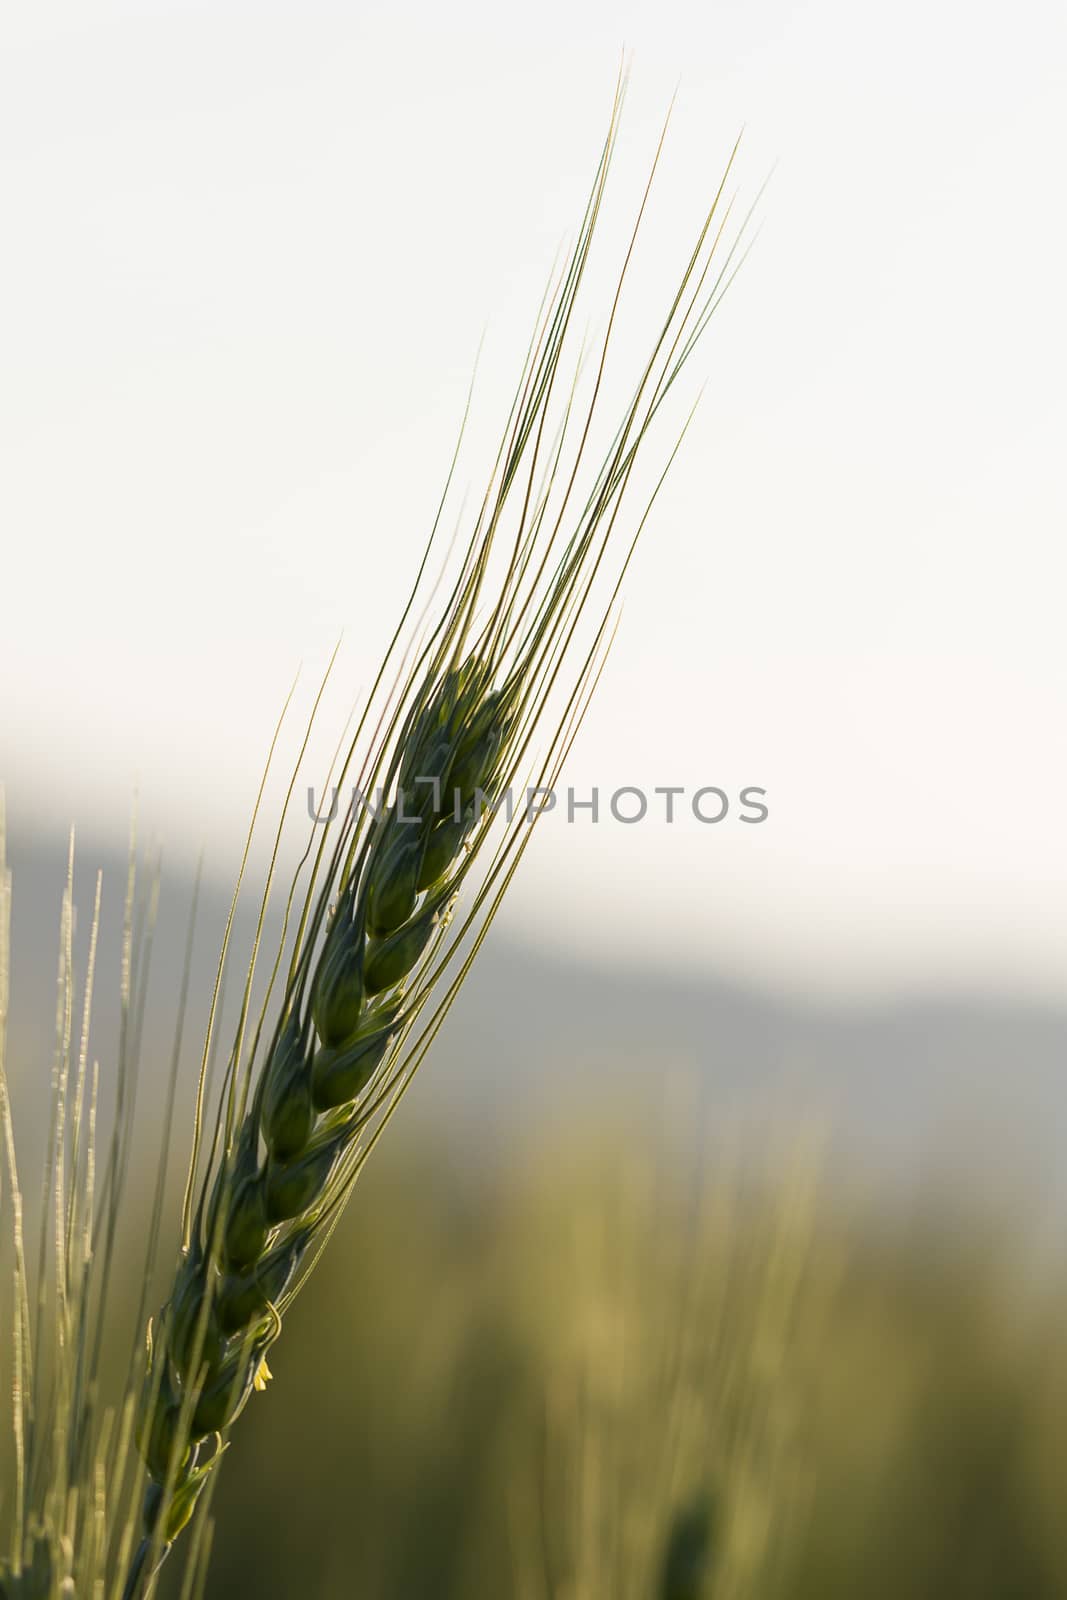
x: 375, y: 962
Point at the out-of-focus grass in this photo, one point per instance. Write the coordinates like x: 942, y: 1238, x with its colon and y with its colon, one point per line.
x: 522, y: 1389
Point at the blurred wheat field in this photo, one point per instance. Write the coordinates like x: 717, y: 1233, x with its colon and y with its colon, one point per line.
x: 545, y: 1350
x: 519, y: 1388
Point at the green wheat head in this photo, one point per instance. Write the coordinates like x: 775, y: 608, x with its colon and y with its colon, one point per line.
x: 393, y: 901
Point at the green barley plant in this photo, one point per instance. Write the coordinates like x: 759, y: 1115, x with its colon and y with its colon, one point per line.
x: 504, y: 637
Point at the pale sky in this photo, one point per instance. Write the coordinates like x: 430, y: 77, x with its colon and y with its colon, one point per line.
x: 249, y: 252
